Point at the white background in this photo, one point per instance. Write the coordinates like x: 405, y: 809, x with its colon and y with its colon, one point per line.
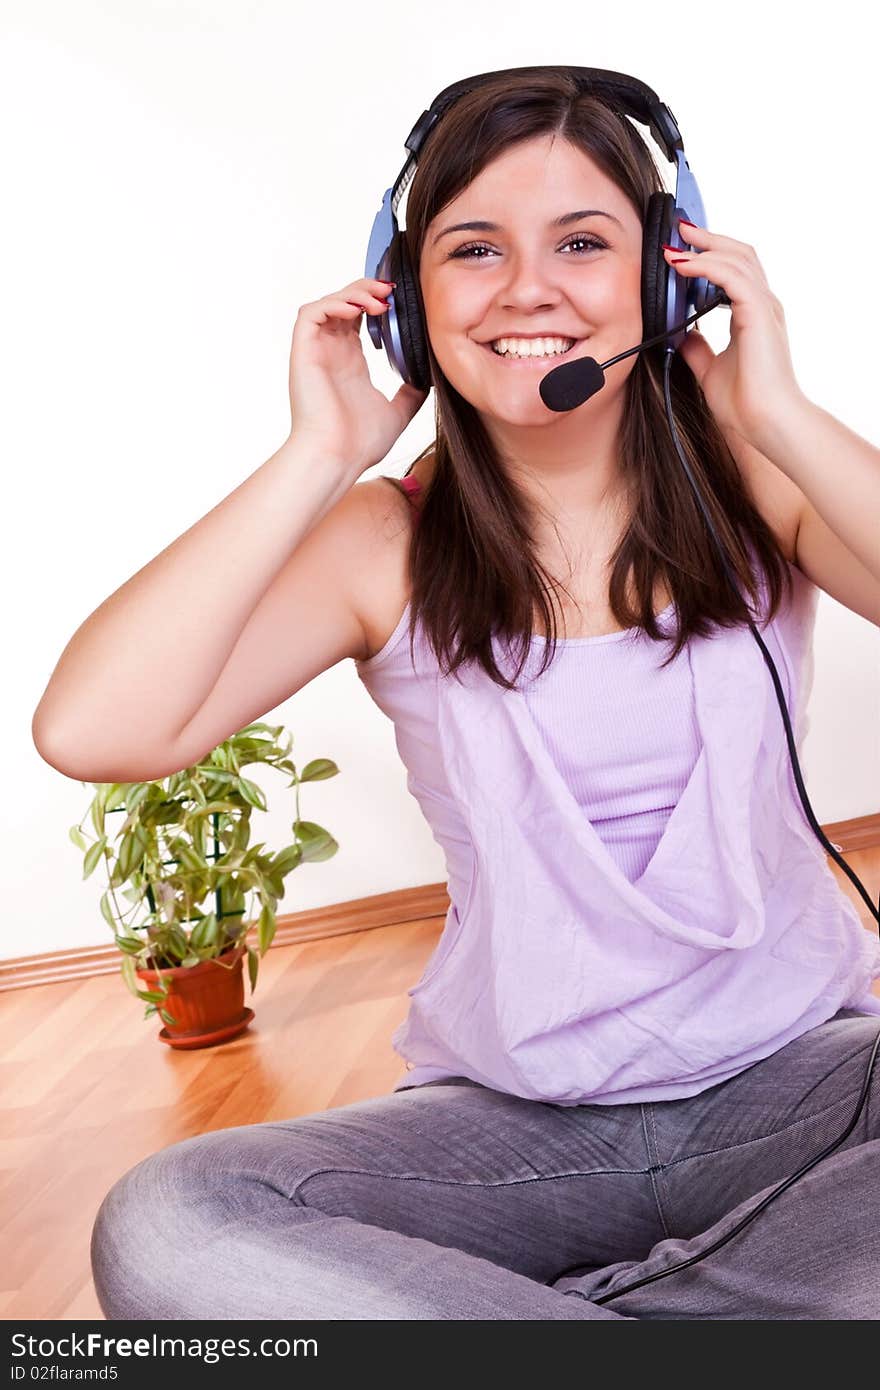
x: 179, y: 177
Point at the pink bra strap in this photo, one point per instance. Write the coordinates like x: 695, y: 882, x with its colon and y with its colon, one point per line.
x: 410, y: 486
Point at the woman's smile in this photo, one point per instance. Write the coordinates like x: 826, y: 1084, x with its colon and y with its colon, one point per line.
x: 545, y: 360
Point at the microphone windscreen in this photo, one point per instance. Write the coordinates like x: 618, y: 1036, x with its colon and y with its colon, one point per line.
x: 572, y: 383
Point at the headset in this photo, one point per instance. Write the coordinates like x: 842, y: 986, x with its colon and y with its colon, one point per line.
x: 669, y: 304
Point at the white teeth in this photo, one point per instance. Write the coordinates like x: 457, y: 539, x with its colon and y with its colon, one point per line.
x: 532, y: 347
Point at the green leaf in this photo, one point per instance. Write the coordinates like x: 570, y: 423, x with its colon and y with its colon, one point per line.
x: 232, y: 860
x: 241, y: 834
x: 274, y: 884
x: 274, y: 730
x: 167, y: 1017
x: 187, y: 856
x: 116, y: 795
x: 97, y: 812
x: 129, y: 975
x: 204, y: 932
x: 175, y: 943
x: 78, y: 838
x: 252, y: 793
x: 106, y: 909
x: 130, y: 855
x: 93, y: 854
x: 129, y: 944
x: 136, y: 793
x: 197, y: 828
x: 253, y: 967
x: 318, y: 769
x: 155, y: 996
x: 317, y: 843
x: 286, y: 859
x: 215, y: 806
x: 266, y: 929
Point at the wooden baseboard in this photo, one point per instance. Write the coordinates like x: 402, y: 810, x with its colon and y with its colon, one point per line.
x: 360, y: 914
x: 848, y: 836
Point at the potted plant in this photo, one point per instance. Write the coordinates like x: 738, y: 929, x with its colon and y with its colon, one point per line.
x: 183, y: 839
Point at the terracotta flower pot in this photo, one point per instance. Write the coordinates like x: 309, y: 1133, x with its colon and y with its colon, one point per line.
x: 206, y: 1001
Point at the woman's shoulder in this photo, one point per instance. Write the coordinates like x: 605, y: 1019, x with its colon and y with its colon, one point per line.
x: 409, y: 486
x: 384, y: 587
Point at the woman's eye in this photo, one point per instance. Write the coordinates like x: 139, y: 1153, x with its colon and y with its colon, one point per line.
x: 467, y: 252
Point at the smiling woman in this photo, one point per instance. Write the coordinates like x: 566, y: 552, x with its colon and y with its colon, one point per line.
x: 529, y: 284
x: 650, y: 998
x: 555, y: 185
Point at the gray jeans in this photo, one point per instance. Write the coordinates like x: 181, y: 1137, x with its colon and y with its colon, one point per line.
x: 455, y: 1201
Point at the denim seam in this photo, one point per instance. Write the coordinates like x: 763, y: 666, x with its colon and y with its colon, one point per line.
x: 455, y: 1182
x: 651, y: 1145
x: 759, y: 1139
x: 598, y: 1172
x: 580, y: 1173
x: 578, y: 1293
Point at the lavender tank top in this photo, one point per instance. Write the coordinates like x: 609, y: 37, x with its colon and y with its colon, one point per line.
x: 639, y: 908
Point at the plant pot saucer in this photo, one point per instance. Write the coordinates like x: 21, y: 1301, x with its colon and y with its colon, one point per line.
x: 207, y: 1039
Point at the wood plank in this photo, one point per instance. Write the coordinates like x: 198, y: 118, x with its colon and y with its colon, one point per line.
x: 87, y: 1090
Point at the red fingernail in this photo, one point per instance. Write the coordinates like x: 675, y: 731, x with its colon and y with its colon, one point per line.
x: 686, y: 223
x: 392, y: 283
x: 678, y: 260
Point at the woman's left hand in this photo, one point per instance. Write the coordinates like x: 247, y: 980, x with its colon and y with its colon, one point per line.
x: 748, y: 383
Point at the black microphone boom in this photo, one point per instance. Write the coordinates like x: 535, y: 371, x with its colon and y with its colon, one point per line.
x: 568, y: 386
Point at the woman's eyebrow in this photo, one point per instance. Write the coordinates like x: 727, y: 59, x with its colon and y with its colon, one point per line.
x: 562, y: 221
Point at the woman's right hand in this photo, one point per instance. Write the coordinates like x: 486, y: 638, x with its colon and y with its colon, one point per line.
x: 334, y: 406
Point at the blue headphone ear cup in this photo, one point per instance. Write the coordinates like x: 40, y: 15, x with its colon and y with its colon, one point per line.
x: 655, y: 271
x: 410, y: 315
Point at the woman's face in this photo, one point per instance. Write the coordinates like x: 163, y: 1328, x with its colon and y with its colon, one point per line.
x: 533, y: 275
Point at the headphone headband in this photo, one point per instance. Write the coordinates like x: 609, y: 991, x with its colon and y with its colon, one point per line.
x: 626, y: 94
x: 666, y: 299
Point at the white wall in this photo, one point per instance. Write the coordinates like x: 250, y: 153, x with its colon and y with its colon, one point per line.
x: 180, y: 177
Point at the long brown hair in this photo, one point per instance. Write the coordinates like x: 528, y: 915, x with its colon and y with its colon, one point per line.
x: 472, y: 559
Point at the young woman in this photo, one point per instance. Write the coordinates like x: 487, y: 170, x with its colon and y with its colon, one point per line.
x: 651, y: 1002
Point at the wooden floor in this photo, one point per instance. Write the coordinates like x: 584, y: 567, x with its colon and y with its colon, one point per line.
x: 87, y: 1090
